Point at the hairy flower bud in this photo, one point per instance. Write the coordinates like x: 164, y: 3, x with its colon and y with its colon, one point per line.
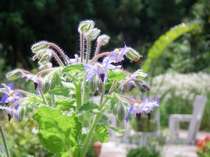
x: 14, y: 74
x: 139, y: 75
x: 103, y: 39
x: 132, y: 54
x: 39, y: 45
x: 85, y: 26
x: 92, y: 34
x: 46, y: 65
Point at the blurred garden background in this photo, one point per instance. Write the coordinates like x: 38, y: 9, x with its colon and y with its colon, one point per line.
x: 172, y: 35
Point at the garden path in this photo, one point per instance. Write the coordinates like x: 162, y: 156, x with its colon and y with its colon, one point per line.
x: 170, y: 150
x: 179, y: 151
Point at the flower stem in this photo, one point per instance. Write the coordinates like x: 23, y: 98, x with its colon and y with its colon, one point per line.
x: 98, y: 47
x: 88, y: 50
x: 4, y: 141
x: 102, y: 54
x: 43, y: 97
x: 83, y: 91
x: 60, y: 51
x: 82, y: 47
x: 93, y: 124
x: 58, y: 60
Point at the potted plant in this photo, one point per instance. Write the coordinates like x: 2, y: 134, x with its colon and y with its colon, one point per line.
x: 68, y: 119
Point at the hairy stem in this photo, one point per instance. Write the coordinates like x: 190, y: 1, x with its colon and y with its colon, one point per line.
x: 98, y: 47
x: 58, y: 60
x: 95, y: 58
x: 88, y: 50
x: 4, y: 141
x: 96, y: 118
x: 82, y: 47
x: 43, y: 97
x: 60, y: 51
x: 83, y: 91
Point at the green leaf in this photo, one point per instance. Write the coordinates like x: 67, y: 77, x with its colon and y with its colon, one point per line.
x: 53, y: 141
x: 166, y: 39
x: 116, y: 75
x: 101, y: 134
x: 58, y: 132
x: 73, y: 68
x: 65, y: 103
x: 78, y: 94
x: 88, y: 106
x: 59, y: 90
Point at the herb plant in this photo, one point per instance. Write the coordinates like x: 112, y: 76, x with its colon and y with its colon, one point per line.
x: 73, y: 97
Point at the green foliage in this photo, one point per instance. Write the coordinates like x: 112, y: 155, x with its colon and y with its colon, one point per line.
x: 58, y: 132
x: 26, y: 22
x: 144, y: 152
x: 165, y: 40
x: 205, y: 151
x: 22, y: 135
x: 30, y: 21
x: 116, y: 75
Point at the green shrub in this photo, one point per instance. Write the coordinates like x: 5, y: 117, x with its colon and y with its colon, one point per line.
x: 144, y: 152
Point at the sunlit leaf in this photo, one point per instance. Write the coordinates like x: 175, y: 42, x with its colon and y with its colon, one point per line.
x: 166, y: 39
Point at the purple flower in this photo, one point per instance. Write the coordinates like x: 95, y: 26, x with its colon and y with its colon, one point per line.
x: 146, y: 106
x: 9, y: 94
x: 116, y: 56
x: 98, y: 70
x: 13, y: 110
x: 101, y: 69
x: 12, y: 97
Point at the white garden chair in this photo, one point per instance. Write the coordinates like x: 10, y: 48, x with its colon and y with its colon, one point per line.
x: 193, y: 119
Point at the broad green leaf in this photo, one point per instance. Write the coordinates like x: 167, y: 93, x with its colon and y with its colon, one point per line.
x: 63, y: 103
x: 88, y: 106
x: 116, y: 75
x: 58, y: 132
x: 73, y: 68
x: 59, y: 90
x: 53, y: 141
x: 166, y: 39
x: 101, y: 134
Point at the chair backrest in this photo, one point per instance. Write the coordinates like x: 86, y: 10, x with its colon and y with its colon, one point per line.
x: 198, y: 110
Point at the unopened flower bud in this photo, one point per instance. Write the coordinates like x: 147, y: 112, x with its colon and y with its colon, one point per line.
x: 39, y: 45
x: 85, y: 26
x: 139, y: 75
x: 132, y: 54
x: 92, y: 34
x: 103, y: 39
x: 43, y: 55
x: 45, y: 65
x: 14, y: 74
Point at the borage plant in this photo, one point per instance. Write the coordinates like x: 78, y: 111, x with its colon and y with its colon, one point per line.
x: 72, y: 101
